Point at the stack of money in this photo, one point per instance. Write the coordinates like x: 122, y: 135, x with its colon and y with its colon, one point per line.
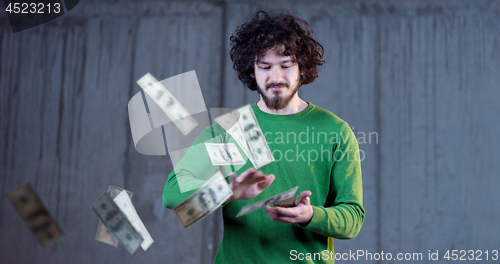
x: 117, y: 223
x: 205, y: 200
x: 34, y: 214
x: 284, y: 199
x: 287, y: 202
x: 120, y: 220
x: 103, y: 235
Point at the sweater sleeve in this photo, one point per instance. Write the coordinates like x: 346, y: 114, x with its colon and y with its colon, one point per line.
x: 345, y: 217
x: 191, y: 172
x: 172, y: 195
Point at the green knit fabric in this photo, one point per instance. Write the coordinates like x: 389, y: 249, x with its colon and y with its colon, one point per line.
x: 315, y: 150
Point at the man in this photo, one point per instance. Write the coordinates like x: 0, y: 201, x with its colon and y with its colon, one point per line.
x: 314, y: 150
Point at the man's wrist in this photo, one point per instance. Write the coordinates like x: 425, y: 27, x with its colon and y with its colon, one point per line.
x: 304, y: 224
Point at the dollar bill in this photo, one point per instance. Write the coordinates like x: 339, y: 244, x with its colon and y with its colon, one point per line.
x: 168, y: 103
x: 230, y: 123
x: 117, y: 223
x: 205, y: 200
x: 243, y: 126
x: 34, y: 214
x: 125, y: 204
x: 277, y: 199
x: 224, y: 154
x: 257, y: 144
x: 103, y: 235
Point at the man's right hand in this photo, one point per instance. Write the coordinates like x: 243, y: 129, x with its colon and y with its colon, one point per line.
x: 249, y: 184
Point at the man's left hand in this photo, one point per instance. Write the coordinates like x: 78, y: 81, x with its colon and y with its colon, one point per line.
x: 301, y: 213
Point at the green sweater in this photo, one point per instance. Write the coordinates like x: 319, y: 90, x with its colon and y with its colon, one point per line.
x: 313, y: 149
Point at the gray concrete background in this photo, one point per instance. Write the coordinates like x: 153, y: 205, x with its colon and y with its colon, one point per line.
x: 422, y: 75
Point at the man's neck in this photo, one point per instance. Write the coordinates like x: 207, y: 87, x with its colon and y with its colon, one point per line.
x: 294, y: 106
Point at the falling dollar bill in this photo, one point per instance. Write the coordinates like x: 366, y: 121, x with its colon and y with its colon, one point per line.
x: 205, y: 200
x: 125, y: 204
x: 103, y: 235
x: 257, y: 144
x: 168, y: 103
x: 243, y: 126
x: 117, y: 223
x: 230, y: 123
x: 34, y: 214
x: 224, y: 154
x: 277, y: 199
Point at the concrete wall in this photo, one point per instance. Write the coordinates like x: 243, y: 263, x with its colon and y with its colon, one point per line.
x: 418, y: 81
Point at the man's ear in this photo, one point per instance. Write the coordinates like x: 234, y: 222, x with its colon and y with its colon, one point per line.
x: 252, y: 75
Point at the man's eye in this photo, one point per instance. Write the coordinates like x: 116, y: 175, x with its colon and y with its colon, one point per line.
x: 265, y: 67
x: 285, y: 66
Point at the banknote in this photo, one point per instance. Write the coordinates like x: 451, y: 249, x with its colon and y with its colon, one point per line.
x: 276, y: 199
x: 257, y: 144
x: 34, y: 214
x: 125, y: 204
x: 102, y: 234
x: 205, y: 200
x: 243, y: 126
x: 117, y: 223
x: 224, y: 154
x: 168, y: 103
x: 230, y: 123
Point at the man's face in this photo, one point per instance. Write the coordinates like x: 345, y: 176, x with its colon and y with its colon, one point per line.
x: 278, y: 78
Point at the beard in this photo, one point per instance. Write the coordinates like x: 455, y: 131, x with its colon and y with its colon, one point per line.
x: 277, y: 101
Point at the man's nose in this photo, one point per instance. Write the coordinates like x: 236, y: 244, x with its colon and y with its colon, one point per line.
x: 276, y: 75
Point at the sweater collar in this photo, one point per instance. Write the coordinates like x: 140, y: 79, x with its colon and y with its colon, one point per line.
x: 260, y: 113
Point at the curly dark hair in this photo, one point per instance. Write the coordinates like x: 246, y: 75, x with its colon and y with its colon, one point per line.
x: 253, y: 38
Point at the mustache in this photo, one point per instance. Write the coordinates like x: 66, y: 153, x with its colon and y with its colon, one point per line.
x: 273, y: 84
